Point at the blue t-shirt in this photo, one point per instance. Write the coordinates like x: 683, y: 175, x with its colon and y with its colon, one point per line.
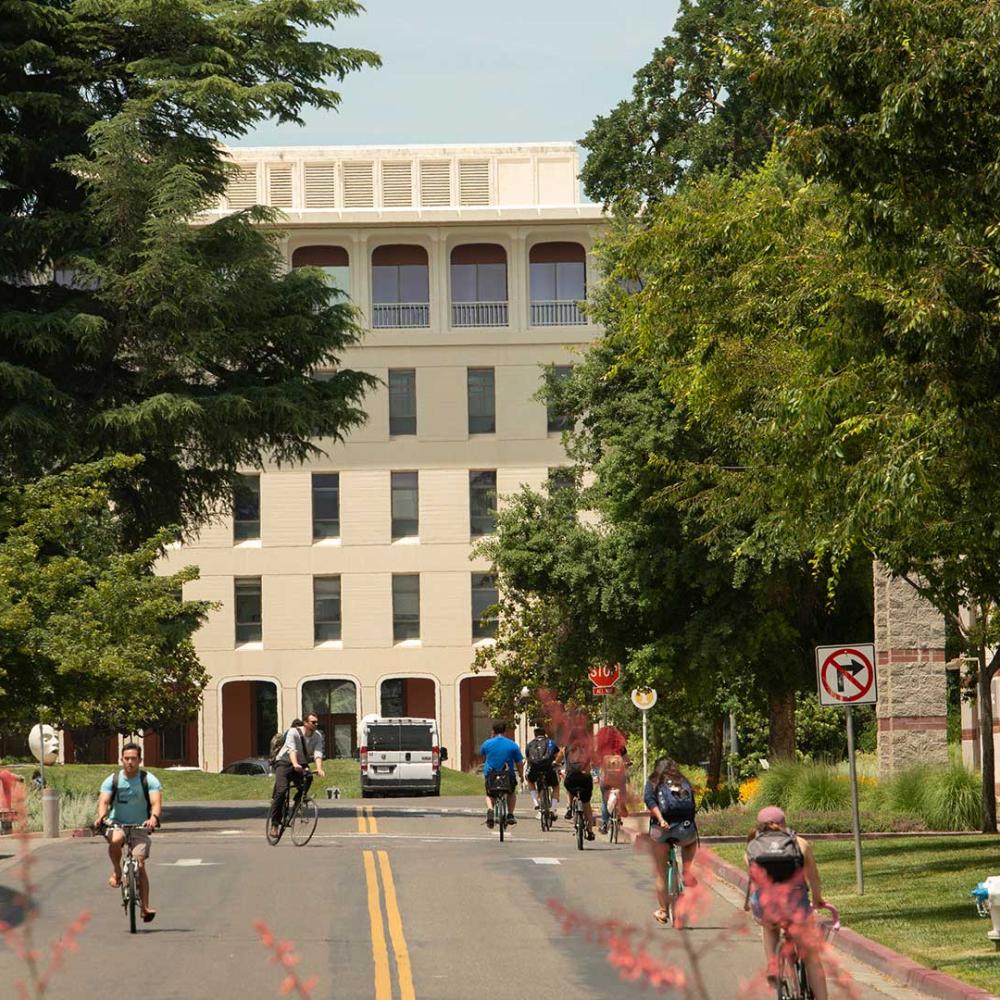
x: 497, y: 751
x: 130, y: 804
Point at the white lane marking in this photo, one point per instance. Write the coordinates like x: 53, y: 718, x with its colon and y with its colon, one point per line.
x: 228, y: 833
x: 541, y: 861
x: 187, y: 863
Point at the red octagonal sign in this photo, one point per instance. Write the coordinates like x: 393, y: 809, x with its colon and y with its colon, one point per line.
x: 605, y: 675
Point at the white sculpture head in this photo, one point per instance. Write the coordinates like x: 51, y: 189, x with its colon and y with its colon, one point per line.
x: 44, y: 744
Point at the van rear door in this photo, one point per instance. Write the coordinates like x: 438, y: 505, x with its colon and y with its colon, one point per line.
x: 383, y: 753
x: 415, y: 743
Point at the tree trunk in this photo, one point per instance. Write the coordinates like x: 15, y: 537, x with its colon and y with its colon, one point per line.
x: 781, y: 734
x: 986, y: 743
x: 715, y: 754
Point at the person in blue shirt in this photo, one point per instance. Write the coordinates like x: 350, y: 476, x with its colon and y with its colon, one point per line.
x: 131, y: 806
x: 499, y: 753
x: 543, y: 755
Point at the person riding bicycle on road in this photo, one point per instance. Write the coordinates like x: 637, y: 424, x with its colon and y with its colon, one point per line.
x: 612, y: 756
x: 670, y: 799
x: 783, y: 871
x: 543, y: 755
x: 137, y: 800
x: 578, y: 758
x: 302, y: 741
x: 499, y: 752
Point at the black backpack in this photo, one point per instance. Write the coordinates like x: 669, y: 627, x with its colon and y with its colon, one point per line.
x: 143, y: 780
x: 538, y: 751
x: 777, y: 852
x: 676, y: 801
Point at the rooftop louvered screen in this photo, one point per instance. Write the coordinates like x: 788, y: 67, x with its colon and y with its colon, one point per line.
x: 397, y: 184
x: 279, y: 188
x: 358, y: 185
x: 242, y: 190
x: 474, y: 182
x: 321, y: 184
x: 435, y: 182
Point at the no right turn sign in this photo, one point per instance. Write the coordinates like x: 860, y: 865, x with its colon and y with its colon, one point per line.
x: 845, y: 675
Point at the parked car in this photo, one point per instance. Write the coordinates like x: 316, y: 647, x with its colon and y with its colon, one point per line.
x: 249, y: 765
x: 400, y: 755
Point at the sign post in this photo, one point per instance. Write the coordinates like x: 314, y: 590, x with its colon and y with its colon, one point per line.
x: 604, y: 678
x: 644, y: 699
x: 845, y: 677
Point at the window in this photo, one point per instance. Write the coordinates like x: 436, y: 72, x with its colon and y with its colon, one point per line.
x: 392, y: 702
x: 561, y: 478
x: 482, y: 503
x: 326, y: 505
x: 326, y: 608
x: 479, y: 285
x: 558, y: 421
x: 332, y: 261
x: 482, y: 401
x: 248, y: 609
x: 400, y: 287
x: 172, y: 742
x: 246, y: 509
x: 402, y: 401
x: 405, y: 505
x: 558, y: 273
x: 484, y: 599
x: 405, y: 607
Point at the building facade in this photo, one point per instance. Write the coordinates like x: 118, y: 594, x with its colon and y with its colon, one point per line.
x: 348, y: 585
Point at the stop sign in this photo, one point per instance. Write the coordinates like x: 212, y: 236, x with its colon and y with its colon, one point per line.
x: 605, y: 675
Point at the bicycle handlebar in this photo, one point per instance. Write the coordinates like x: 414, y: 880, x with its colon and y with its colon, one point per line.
x: 834, y: 912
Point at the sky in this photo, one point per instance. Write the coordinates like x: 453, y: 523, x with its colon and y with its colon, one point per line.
x: 468, y: 71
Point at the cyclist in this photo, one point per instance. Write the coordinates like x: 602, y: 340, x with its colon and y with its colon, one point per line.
x: 578, y: 758
x: 612, y: 753
x: 302, y: 740
x: 670, y: 800
x: 543, y: 754
x: 132, y: 796
x: 783, y: 871
x: 499, y: 753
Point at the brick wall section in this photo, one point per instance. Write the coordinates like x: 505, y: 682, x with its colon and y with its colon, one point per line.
x: 909, y: 639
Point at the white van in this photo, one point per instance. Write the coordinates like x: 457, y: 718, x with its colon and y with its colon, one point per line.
x: 400, y: 756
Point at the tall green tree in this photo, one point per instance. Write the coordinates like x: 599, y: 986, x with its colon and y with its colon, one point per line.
x: 129, y: 321
x: 89, y: 633
x: 693, y: 109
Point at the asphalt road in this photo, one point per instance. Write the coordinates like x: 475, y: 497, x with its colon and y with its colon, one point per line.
x: 392, y: 900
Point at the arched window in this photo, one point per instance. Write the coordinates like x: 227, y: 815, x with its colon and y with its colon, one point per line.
x: 335, y: 703
x: 479, y: 285
x: 334, y: 262
x: 400, y: 287
x: 558, y: 284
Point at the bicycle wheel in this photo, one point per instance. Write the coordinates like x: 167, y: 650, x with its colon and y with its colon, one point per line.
x: 281, y: 826
x: 580, y: 824
x: 805, y: 990
x: 543, y: 805
x: 303, y: 822
x: 133, y: 897
x: 788, y: 984
x: 501, y: 815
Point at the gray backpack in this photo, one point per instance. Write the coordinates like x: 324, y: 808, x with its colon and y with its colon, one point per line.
x: 777, y: 853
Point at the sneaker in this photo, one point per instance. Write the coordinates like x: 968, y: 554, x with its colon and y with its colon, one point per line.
x: 553, y: 816
x: 569, y: 814
x: 536, y: 807
x: 489, y: 819
x: 590, y: 835
x: 604, y: 829
x: 274, y: 833
x: 511, y: 821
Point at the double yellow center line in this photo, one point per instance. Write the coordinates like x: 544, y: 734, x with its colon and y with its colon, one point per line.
x: 366, y: 819
x: 380, y: 951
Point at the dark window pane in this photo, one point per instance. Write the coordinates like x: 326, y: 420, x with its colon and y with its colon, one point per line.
x: 326, y: 608
x: 326, y: 505
x: 405, y: 505
x: 484, y: 596
x: 172, y: 742
x: 492, y: 285
x: 413, y: 283
x: 415, y: 738
x: 385, y: 737
x: 385, y: 283
x: 482, y: 502
x: 556, y: 421
x: 402, y: 401
x: 246, y: 508
x: 543, y: 282
x: 248, y: 609
x: 570, y: 283
x: 482, y: 402
x: 406, y: 607
x: 463, y: 283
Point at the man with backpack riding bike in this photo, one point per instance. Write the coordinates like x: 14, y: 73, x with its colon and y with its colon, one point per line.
x: 612, y: 755
x: 783, y: 871
x: 578, y: 758
x: 543, y: 754
x: 290, y: 759
x: 501, y: 754
x: 131, y: 797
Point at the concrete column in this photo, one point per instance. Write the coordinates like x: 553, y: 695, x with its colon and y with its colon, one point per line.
x: 912, y: 691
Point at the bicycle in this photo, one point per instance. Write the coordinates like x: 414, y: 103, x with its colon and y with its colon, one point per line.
x: 498, y: 792
x: 579, y: 820
x: 792, y: 982
x: 131, y: 900
x: 300, y: 813
x: 544, y: 803
x: 675, y: 881
x: 614, y: 818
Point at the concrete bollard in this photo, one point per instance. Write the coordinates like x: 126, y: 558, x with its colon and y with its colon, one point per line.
x: 50, y: 813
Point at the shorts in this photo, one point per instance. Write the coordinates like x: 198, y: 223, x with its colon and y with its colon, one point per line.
x: 785, y: 903
x: 537, y: 772
x: 140, y: 841
x: 684, y: 832
x: 580, y: 783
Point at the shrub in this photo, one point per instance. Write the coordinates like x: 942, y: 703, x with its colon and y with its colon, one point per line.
x: 737, y: 822
x: 905, y: 791
x: 720, y: 798
x: 776, y: 784
x: 75, y: 811
x: 818, y: 787
x: 953, y: 799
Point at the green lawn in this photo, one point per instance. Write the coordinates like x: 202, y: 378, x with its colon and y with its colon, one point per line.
x: 188, y: 786
x: 916, y: 898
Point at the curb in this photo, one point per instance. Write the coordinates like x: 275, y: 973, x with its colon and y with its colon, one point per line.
x: 903, y: 970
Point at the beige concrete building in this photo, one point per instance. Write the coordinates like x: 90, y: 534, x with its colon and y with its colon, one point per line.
x: 345, y: 586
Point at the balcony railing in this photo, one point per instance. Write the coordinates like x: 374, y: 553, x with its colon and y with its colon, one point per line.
x: 400, y: 315
x: 479, y: 314
x: 558, y: 313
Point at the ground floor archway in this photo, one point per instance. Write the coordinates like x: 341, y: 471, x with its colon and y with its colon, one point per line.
x: 249, y: 718
x: 408, y: 697
x: 476, y: 722
x: 335, y: 704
